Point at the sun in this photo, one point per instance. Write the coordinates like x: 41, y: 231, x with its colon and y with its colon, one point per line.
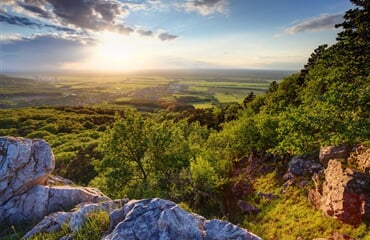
x: 114, y: 51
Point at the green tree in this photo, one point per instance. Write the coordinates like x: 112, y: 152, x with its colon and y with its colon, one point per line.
x: 124, y: 148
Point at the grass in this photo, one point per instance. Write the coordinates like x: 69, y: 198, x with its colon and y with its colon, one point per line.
x: 291, y: 216
x: 94, y: 227
x: 202, y: 105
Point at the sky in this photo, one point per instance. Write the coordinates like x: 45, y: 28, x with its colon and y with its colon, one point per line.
x: 125, y: 35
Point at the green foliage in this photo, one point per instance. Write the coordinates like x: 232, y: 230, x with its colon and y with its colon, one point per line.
x: 52, y: 236
x: 95, y: 225
x: 64, y: 128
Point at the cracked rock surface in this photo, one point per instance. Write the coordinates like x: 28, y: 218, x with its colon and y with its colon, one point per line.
x: 25, y: 165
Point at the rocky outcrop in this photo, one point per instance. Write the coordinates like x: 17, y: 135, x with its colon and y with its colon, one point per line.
x: 154, y: 219
x: 332, y: 152
x: 342, y: 192
x: 26, y: 197
x: 360, y: 157
x: 40, y: 201
x: 24, y: 163
x: 25, y: 166
x: 337, y: 199
x: 75, y: 219
x: 148, y: 219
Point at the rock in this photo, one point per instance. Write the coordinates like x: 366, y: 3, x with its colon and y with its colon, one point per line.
x: 25, y: 199
x: 76, y: 219
x: 153, y: 219
x: 331, y: 152
x: 296, y: 166
x: 49, y: 224
x: 314, y: 198
x: 339, y: 199
x: 24, y: 163
x: 24, y: 169
x: 248, y: 208
x: 40, y: 201
x: 268, y: 196
x: 57, y: 181
x: 242, y: 188
x: 360, y: 157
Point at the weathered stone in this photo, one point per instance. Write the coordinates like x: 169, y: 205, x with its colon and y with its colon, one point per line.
x: 58, y: 181
x: 40, y: 201
x: 242, y: 188
x: 154, y: 219
x: 248, y: 208
x: 24, y: 163
x: 49, y: 224
x: 314, y: 198
x: 296, y: 166
x: 331, y: 152
x: 360, y: 157
x: 76, y: 219
x: 24, y: 169
x: 338, y: 199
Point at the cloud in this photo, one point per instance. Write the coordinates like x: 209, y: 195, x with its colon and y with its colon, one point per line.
x: 319, y: 23
x: 143, y: 32
x: 26, y: 22
x: 15, y: 20
x: 83, y: 15
x: 167, y: 36
x: 35, y: 8
x: 206, y: 7
x: 46, y: 52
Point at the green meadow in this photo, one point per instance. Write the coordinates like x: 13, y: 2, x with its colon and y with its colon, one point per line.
x: 199, y: 89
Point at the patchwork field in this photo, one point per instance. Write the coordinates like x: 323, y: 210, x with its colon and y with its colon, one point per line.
x: 200, y: 88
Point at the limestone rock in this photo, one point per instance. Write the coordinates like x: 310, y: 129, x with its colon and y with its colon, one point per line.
x: 360, y: 157
x: 331, y: 152
x: 342, y: 197
x: 76, y: 219
x: 24, y: 163
x: 49, y: 224
x: 40, y: 201
x: 153, y: 219
x: 248, y: 208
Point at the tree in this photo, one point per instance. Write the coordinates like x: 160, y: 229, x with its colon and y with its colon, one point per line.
x: 250, y: 97
x: 355, y: 37
x: 124, y: 148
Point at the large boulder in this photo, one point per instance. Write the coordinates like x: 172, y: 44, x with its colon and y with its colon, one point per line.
x: 332, y: 152
x: 24, y: 163
x: 344, y: 193
x: 40, y: 201
x: 149, y: 219
x: 25, y: 166
x: 153, y: 219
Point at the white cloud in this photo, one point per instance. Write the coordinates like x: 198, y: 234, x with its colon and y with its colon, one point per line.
x: 318, y: 23
x: 206, y: 7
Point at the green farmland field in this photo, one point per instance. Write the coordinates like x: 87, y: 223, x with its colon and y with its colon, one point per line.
x: 198, y: 88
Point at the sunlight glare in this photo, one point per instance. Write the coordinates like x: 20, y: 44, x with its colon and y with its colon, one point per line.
x: 115, y: 52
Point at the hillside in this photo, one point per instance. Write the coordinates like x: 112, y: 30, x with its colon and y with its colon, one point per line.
x: 289, y: 164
